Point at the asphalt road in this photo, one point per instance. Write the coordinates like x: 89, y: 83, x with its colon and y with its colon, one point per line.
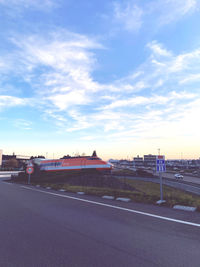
x: 40, y: 227
x: 186, y: 178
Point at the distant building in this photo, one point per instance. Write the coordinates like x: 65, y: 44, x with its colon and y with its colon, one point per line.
x: 113, y: 161
x: 1, y: 152
x: 13, y: 160
x: 138, y: 161
x: 7, y: 157
x: 150, y: 160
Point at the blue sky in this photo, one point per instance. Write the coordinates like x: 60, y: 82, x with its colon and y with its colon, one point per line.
x: 121, y: 77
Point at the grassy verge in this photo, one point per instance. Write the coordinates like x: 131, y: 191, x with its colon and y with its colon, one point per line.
x: 144, y: 192
x: 172, y: 196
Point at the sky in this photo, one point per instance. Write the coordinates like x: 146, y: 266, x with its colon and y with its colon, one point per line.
x: 118, y: 77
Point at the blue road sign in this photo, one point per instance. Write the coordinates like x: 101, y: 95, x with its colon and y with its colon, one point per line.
x: 160, y: 164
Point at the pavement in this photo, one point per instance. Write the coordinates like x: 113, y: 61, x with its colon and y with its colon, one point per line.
x: 186, y: 178
x: 40, y: 227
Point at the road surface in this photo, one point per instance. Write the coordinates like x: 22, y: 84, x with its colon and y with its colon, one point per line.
x: 186, y: 178
x: 40, y: 227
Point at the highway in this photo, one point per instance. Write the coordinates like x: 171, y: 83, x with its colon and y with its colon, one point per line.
x: 186, y: 178
x: 40, y: 227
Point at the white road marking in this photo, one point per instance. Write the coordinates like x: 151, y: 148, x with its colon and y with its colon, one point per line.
x: 116, y: 207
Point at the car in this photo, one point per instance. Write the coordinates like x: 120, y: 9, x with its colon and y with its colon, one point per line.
x: 178, y: 176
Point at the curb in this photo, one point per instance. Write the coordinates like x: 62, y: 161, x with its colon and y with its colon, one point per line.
x: 186, y: 208
x: 80, y: 193
x: 108, y: 197
x: 124, y: 199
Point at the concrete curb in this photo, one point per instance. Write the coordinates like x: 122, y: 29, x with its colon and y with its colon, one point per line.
x: 124, y: 199
x: 80, y: 193
x: 186, y: 208
x: 108, y: 197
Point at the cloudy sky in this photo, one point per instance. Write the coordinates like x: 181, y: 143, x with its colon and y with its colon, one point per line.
x: 121, y: 77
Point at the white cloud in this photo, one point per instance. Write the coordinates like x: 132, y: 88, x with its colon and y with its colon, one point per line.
x: 23, y: 124
x: 173, y: 10
x: 129, y: 15
x: 152, y: 100
x: 158, y: 49
x: 191, y: 78
x: 63, y: 101
x: 132, y: 15
x: 63, y: 51
x: 59, y: 69
x: 67, y: 61
x: 9, y: 101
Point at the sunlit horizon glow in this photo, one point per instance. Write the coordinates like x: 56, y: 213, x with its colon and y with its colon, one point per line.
x: 119, y: 77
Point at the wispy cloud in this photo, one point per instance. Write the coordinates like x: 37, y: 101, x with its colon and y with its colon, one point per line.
x: 128, y: 14
x: 191, y: 78
x: 23, y: 124
x: 58, y: 68
x: 173, y: 10
x: 62, y: 63
x: 9, y: 101
x: 158, y: 49
x: 24, y: 4
x: 132, y: 15
x: 153, y: 100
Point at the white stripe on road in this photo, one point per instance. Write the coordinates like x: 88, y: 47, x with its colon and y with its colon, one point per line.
x: 116, y: 207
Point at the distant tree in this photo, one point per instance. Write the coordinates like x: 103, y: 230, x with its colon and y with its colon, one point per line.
x: 66, y: 157
x: 35, y: 157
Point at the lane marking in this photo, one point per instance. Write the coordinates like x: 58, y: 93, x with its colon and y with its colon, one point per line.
x: 116, y: 207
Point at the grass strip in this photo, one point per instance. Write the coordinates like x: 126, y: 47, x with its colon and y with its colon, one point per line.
x: 146, y: 192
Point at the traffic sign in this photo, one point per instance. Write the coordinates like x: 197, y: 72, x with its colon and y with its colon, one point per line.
x: 160, y: 168
x: 160, y: 163
x: 29, y: 170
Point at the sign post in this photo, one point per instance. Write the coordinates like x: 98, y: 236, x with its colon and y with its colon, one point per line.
x: 160, y: 168
x: 29, y: 170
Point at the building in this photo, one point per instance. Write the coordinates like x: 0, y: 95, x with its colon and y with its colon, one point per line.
x: 1, y: 152
x: 14, y: 161
x: 138, y: 161
x: 150, y: 160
